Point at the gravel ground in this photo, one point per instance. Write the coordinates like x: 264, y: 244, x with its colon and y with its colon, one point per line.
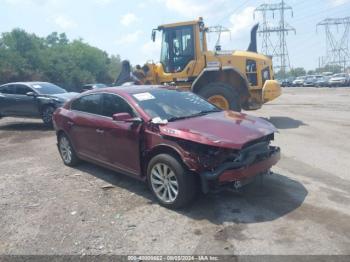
x: 303, y: 208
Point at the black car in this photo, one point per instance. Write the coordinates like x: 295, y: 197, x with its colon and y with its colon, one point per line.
x: 32, y: 99
x: 287, y: 82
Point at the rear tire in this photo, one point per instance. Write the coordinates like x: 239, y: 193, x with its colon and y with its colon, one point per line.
x: 224, y: 92
x: 170, y: 182
x: 67, y: 151
x: 46, y: 115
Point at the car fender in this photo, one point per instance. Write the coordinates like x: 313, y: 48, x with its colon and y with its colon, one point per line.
x: 170, y: 148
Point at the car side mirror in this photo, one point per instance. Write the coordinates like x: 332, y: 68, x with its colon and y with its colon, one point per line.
x: 126, y: 117
x: 32, y: 94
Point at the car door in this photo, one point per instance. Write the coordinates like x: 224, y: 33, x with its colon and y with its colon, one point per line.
x: 85, y: 132
x: 7, y: 100
x: 121, y: 140
x: 25, y: 105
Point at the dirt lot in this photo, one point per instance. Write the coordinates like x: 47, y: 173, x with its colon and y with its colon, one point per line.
x: 303, y: 208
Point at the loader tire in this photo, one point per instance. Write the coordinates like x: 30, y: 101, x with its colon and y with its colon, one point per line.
x: 222, y: 95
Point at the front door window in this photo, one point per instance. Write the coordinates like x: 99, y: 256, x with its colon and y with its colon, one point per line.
x: 177, y: 48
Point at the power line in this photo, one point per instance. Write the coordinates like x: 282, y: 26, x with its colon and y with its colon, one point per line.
x: 337, y: 48
x: 233, y: 11
x: 278, y: 50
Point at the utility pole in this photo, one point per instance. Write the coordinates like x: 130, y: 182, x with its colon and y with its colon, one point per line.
x: 219, y: 29
x: 278, y: 50
x: 337, y: 45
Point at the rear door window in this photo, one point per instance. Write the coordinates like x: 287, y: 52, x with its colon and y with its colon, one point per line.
x: 251, y: 72
x: 89, y: 104
x: 8, y: 89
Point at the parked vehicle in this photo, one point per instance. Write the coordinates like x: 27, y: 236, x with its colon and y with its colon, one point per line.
x: 287, y: 82
x: 309, y: 80
x: 174, y: 140
x: 88, y: 87
x: 339, y: 80
x: 299, y: 81
x: 32, y: 99
x: 322, y: 81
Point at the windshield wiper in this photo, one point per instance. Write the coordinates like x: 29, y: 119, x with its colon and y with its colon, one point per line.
x: 201, y: 113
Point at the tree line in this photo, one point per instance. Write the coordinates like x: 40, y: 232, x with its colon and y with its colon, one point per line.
x: 55, y: 59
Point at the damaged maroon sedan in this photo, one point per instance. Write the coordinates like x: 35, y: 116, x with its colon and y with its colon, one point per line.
x: 174, y: 140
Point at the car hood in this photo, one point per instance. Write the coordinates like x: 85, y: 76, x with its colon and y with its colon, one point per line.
x: 63, y: 96
x: 225, y: 129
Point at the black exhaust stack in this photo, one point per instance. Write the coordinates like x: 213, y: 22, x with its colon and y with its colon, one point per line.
x: 253, y: 45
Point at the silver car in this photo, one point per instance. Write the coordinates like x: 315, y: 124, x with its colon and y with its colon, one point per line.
x: 339, y: 80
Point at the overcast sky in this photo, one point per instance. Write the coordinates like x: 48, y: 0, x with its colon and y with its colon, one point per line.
x: 124, y: 27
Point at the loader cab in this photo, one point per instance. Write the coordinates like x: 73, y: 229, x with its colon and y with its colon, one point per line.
x: 178, y: 48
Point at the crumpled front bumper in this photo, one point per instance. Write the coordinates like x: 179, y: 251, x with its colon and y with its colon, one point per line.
x: 251, y: 166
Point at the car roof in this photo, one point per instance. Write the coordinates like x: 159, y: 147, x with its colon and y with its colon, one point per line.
x: 133, y: 89
x: 94, y: 84
x: 27, y: 83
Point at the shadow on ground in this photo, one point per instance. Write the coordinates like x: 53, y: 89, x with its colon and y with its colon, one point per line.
x: 264, y: 200
x: 24, y: 126
x: 282, y: 122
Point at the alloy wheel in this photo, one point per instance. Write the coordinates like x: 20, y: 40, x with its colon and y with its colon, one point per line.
x: 65, y: 149
x: 47, y: 115
x: 164, y: 183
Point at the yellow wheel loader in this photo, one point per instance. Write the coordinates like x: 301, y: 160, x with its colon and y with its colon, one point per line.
x: 232, y: 80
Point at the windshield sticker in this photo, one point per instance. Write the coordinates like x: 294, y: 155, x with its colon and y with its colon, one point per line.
x: 144, y: 96
x: 158, y: 120
x: 37, y: 86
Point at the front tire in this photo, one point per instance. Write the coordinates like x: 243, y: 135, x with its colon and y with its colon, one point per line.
x: 67, y: 152
x: 222, y: 95
x: 169, y: 182
x: 46, y: 115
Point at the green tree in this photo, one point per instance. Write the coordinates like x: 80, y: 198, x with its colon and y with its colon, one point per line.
x: 27, y: 57
x: 298, y: 71
x: 329, y: 68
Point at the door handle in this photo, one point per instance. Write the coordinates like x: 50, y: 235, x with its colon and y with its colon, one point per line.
x: 100, y: 131
x: 70, y: 123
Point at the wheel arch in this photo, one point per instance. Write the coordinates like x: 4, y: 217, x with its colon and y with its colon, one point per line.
x: 227, y: 74
x: 161, y: 149
x: 63, y: 132
x: 60, y: 132
x: 42, y: 106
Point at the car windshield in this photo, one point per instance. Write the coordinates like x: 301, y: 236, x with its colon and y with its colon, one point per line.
x: 48, y: 89
x: 172, y: 105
